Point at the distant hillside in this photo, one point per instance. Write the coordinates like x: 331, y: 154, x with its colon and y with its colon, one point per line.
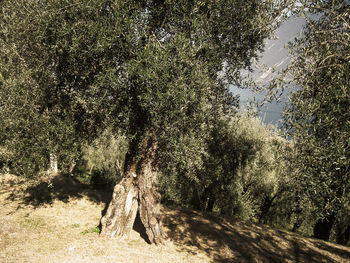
x: 58, y: 224
x: 274, y: 58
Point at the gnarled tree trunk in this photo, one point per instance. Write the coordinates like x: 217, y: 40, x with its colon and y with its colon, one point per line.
x: 138, y: 191
x: 343, y: 233
x: 323, y: 227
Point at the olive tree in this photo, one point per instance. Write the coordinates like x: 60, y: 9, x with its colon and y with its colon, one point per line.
x: 153, y: 68
x: 317, y: 116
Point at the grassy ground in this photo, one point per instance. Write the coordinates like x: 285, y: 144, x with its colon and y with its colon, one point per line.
x: 58, y: 224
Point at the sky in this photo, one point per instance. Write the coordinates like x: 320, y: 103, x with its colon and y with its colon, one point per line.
x: 275, y: 55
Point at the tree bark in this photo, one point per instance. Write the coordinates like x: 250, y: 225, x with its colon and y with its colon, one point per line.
x: 195, y: 200
x: 297, y: 224
x: 138, y: 190
x: 211, y: 202
x: 342, y: 234
x: 53, y: 163
x: 323, y: 227
x: 298, y: 214
x: 265, y: 208
x: 208, y: 198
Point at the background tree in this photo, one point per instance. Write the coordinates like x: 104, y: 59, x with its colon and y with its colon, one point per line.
x: 241, y: 172
x: 318, y: 112
x: 56, y: 70
x: 101, y: 164
x: 150, y: 67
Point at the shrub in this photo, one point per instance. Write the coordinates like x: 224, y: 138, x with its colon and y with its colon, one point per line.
x: 104, y: 158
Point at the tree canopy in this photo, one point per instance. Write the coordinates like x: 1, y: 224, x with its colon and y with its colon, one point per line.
x: 317, y: 116
x: 158, y: 70
x: 70, y: 68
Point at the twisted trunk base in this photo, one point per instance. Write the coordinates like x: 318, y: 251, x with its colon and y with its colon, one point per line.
x: 138, y: 191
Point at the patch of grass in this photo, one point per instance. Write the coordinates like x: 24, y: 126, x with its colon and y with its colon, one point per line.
x: 34, y: 223
x: 91, y: 230
x: 134, y: 242
x: 4, y: 239
x: 84, y: 177
x: 75, y: 226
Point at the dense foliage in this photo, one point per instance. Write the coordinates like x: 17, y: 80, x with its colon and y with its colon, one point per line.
x: 70, y: 69
x: 317, y: 117
x: 90, y: 81
x: 241, y: 171
x: 102, y: 160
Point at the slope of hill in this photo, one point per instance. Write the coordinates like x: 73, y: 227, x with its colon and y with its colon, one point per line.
x: 58, y: 224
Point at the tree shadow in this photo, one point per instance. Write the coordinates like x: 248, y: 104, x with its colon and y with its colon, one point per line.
x: 332, y: 248
x: 60, y: 187
x: 225, y: 240
x: 140, y: 228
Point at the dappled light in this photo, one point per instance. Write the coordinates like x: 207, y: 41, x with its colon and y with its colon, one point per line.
x: 67, y: 222
x: 227, y: 240
x: 57, y: 187
x: 121, y: 139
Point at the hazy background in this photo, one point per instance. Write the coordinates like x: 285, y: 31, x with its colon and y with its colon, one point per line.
x: 274, y: 56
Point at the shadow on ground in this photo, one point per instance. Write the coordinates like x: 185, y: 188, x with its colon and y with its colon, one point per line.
x: 221, y: 239
x: 60, y: 187
x: 224, y: 240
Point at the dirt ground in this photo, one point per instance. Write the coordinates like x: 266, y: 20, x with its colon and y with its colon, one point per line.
x: 58, y: 223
